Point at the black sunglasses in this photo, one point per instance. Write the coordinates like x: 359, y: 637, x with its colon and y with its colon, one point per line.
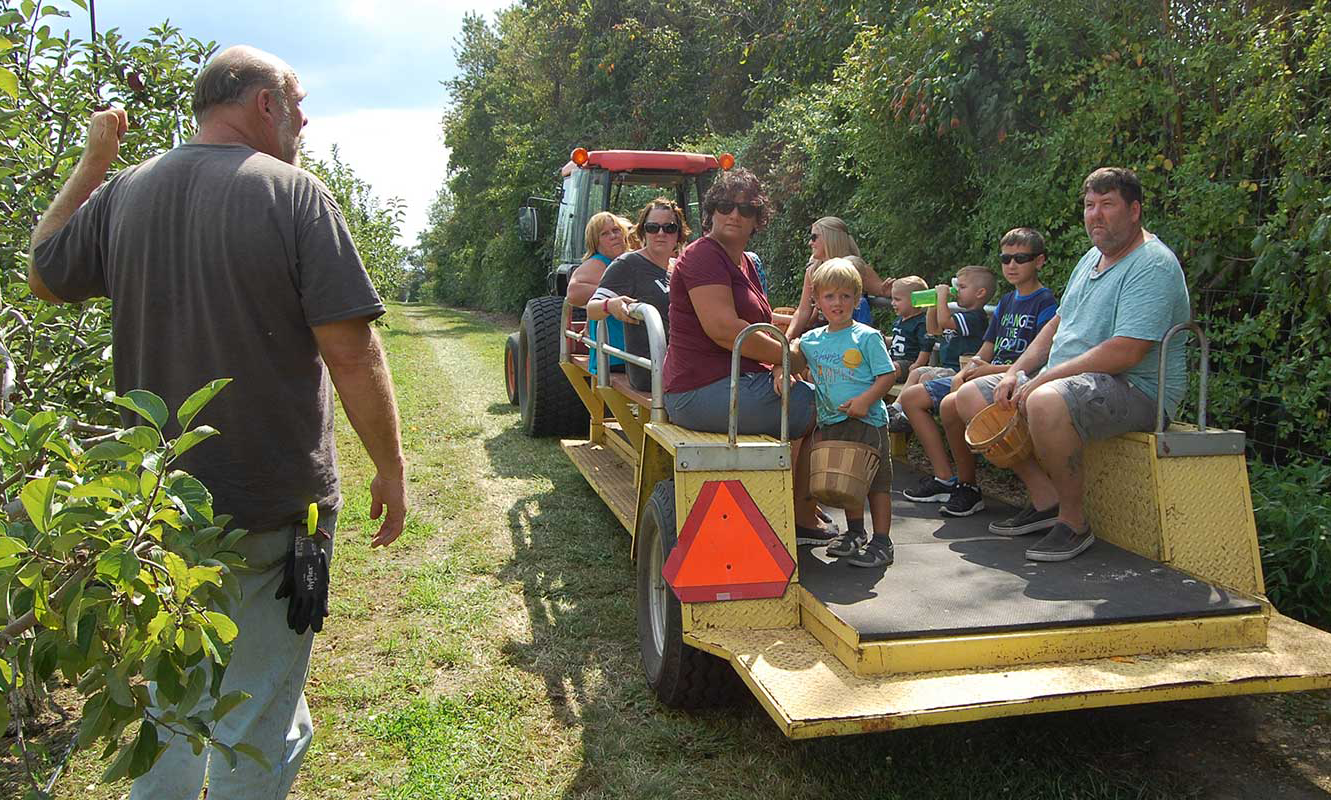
x: 1020, y: 258
x: 749, y: 210
x: 661, y: 227
x: 813, y: 237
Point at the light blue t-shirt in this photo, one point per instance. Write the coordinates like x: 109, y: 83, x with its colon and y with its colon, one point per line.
x: 843, y: 364
x: 1141, y: 297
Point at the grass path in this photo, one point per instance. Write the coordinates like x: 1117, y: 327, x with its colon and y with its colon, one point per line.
x: 491, y: 652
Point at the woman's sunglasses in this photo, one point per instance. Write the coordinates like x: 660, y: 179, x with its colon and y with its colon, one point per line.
x: 813, y: 237
x: 661, y: 227
x: 1020, y: 258
x: 745, y: 209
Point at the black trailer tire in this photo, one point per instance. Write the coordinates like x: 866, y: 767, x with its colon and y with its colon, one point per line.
x: 682, y: 676
x: 512, y: 366
x: 550, y: 406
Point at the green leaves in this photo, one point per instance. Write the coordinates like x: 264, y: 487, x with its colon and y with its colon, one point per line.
x: 188, y: 409
x: 37, y: 498
x: 146, y: 405
x: 8, y: 82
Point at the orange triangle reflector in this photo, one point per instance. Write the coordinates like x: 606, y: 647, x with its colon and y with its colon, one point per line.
x: 727, y: 550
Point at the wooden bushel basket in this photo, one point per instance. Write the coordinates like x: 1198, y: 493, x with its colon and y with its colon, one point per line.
x: 1000, y: 435
x: 840, y: 472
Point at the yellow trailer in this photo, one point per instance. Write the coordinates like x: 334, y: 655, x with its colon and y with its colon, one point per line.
x: 1169, y: 604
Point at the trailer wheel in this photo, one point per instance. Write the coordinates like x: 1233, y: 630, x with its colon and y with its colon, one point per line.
x: 550, y: 406
x: 682, y: 676
x: 512, y: 362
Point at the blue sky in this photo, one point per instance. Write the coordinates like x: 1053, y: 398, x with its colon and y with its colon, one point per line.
x: 372, y: 71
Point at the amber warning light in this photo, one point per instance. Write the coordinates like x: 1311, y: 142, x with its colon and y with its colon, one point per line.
x: 579, y: 156
x: 726, y: 160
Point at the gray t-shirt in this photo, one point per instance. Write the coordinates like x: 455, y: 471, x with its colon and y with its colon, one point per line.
x: 1140, y: 297
x: 635, y: 275
x: 218, y: 259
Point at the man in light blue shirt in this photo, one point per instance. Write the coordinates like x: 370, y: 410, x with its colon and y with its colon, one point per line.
x: 1100, y: 356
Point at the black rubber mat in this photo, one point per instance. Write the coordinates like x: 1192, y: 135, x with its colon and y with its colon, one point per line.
x: 952, y: 576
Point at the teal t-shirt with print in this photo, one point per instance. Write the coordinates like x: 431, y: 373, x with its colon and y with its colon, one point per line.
x: 1140, y: 297
x: 842, y: 365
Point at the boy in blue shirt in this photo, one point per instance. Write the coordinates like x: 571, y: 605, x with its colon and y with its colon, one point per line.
x: 851, y: 373
x: 1020, y: 315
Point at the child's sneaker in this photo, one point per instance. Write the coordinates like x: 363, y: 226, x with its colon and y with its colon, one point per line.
x: 847, y: 544
x: 897, y: 421
x: 877, y: 552
x: 930, y: 490
x: 965, y: 500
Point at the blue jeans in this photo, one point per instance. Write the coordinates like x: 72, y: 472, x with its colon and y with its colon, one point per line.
x: 268, y: 660
x: 707, y: 408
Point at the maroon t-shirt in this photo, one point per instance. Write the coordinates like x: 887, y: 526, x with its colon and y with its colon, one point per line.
x: 692, y: 359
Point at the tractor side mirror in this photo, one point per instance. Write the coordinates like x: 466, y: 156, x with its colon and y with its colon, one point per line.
x: 528, y: 229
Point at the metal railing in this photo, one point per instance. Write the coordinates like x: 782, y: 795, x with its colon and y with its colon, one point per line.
x: 656, y: 346
x: 1190, y: 325
x: 785, y: 379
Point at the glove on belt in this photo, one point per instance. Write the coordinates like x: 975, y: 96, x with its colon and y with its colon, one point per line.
x: 305, y: 581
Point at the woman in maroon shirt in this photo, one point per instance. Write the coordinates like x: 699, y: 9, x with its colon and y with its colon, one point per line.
x: 714, y: 294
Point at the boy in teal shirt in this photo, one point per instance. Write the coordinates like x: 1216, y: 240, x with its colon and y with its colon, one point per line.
x: 851, y: 373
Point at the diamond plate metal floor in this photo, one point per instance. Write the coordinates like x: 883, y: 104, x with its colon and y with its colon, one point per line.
x: 952, y: 576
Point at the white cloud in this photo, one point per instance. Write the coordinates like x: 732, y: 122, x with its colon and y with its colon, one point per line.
x: 399, y: 152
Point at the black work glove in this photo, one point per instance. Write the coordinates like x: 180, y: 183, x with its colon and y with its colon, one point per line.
x: 305, y: 581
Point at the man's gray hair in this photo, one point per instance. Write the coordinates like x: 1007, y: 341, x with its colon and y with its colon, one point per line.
x: 234, y: 73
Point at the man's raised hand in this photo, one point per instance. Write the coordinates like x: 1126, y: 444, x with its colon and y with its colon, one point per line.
x: 105, y: 131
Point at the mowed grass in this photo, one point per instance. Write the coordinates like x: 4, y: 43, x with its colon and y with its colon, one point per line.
x: 491, y: 652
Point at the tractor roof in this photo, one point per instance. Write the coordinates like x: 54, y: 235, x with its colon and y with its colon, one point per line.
x: 652, y: 161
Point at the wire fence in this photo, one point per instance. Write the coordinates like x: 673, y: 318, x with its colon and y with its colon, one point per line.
x: 1267, y: 378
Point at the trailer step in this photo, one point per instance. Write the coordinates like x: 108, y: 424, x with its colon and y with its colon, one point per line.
x: 810, y: 693
x: 607, y: 473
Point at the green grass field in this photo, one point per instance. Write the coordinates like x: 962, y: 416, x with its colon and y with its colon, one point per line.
x: 491, y: 652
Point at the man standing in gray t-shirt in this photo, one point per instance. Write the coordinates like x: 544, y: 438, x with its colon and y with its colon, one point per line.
x: 222, y: 258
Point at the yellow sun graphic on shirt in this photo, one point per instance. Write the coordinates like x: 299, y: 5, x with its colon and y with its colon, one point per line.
x: 852, y: 358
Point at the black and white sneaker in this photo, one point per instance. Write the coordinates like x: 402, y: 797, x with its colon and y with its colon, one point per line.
x: 848, y: 543
x: 1025, y: 521
x: 877, y: 552
x: 1060, y: 544
x: 930, y: 490
x: 965, y: 500
x: 897, y: 421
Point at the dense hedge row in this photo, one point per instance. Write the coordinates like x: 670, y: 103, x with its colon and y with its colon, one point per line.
x: 932, y: 128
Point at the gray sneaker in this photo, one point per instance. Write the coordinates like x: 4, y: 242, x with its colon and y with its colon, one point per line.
x: 1027, y: 520
x: 847, y: 544
x: 1060, y: 544
x: 897, y: 421
x: 877, y: 552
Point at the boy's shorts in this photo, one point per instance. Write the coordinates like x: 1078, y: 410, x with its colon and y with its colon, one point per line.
x: 938, y: 388
x: 855, y: 430
x: 1101, y: 405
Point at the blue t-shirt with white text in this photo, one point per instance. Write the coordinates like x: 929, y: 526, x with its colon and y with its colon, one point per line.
x: 1016, y: 322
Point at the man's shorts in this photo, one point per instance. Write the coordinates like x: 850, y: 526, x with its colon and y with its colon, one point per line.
x: 856, y: 430
x: 1101, y: 405
x: 707, y: 408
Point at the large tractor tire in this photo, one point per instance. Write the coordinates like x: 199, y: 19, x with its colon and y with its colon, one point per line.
x: 512, y: 366
x: 682, y: 676
x: 550, y: 406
